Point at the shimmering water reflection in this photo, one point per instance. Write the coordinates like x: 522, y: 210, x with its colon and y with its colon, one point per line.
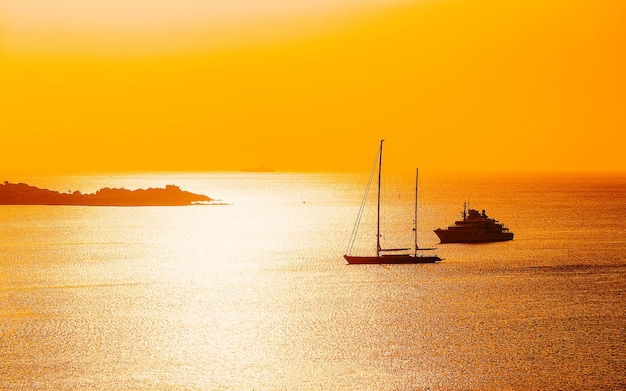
x: 256, y: 295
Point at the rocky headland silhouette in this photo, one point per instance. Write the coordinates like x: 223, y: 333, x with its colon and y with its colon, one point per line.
x: 171, y: 195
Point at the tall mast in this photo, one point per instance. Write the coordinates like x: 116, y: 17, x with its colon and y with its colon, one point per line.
x: 415, y: 220
x: 380, y: 168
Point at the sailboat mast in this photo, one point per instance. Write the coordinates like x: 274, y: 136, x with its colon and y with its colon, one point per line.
x: 415, y: 218
x: 380, y: 168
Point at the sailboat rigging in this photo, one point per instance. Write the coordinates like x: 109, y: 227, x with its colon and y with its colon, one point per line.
x: 385, y: 256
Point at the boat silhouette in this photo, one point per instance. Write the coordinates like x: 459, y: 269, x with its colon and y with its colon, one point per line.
x: 389, y: 255
x: 475, y: 227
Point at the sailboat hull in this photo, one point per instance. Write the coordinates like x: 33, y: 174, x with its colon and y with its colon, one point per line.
x: 390, y: 259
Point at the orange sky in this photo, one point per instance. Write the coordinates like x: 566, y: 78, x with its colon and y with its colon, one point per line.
x: 312, y: 85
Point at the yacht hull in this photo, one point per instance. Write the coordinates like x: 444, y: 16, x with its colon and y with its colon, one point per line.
x: 448, y: 236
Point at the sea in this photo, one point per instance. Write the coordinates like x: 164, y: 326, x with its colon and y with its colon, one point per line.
x: 253, y: 293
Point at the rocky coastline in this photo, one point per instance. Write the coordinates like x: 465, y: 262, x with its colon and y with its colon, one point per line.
x: 171, y: 195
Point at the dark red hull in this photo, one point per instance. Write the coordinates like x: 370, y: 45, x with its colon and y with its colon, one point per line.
x: 390, y: 259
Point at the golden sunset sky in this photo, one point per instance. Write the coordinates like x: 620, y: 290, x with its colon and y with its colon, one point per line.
x: 312, y: 85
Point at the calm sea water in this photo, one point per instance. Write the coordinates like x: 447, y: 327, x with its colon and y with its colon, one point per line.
x: 255, y: 295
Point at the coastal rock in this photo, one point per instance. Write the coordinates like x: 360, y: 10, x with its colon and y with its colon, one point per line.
x: 171, y: 195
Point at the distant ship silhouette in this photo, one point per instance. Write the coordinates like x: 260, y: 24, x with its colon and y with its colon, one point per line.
x: 171, y: 195
x: 257, y: 169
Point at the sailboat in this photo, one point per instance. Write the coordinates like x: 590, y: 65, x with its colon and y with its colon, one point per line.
x: 390, y: 255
